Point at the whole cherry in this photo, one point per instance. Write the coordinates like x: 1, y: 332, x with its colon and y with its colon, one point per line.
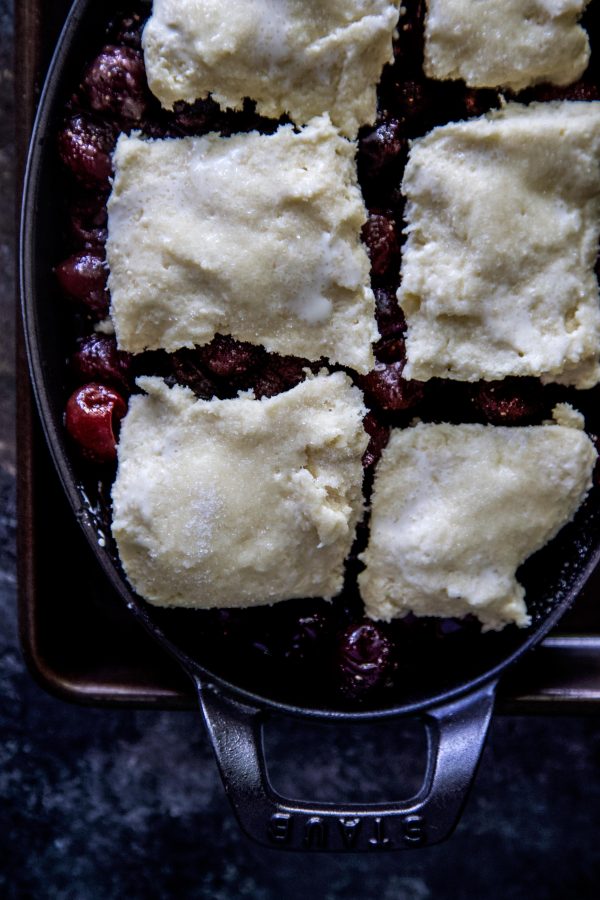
x: 92, y: 416
x: 365, y: 659
x: 82, y: 277
x: 85, y: 147
x: 98, y: 359
x: 115, y: 84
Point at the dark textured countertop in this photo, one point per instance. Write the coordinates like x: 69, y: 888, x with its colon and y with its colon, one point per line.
x: 112, y: 804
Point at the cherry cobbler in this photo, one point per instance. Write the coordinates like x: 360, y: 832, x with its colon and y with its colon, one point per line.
x: 339, y: 479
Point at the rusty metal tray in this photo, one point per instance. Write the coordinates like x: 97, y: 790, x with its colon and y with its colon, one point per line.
x: 78, y: 639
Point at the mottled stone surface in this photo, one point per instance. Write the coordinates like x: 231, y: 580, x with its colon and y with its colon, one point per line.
x: 7, y: 177
x: 98, y: 804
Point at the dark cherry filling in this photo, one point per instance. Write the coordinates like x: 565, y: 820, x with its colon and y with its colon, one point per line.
x: 228, y: 358
x: 514, y: 401
x: 279, y: 374
x: 321, y: 649
x: 98, y: 359
x: 85, y: 146
x: 88, y: 220
x: 364, y: 660
x: 390, y: 318
x: 127, y: 30
x: 92, y: 417
x: 304, y: 638
x: 580, y: 90
x: 115, y: 85
x: 195, y: 118
x: 83, y: 277
x: 380, y: 236
x: 379, y: 435
x: 188, y: 370
x: 408, y: 46
x: 387, y: 390
x: 382, y: 154
x: 391, y: 349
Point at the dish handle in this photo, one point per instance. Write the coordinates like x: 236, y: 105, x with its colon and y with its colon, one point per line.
x: 456, y: 733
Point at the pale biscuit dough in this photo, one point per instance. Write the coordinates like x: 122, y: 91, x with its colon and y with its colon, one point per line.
x: 254, y: 235
x: 508, y: 44
x: 301, y: 57
x: 503, y: 220
x: 239, y: 502
x: 456, y: 509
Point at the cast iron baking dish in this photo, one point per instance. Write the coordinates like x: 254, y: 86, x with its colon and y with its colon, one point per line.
x: 455, y: 699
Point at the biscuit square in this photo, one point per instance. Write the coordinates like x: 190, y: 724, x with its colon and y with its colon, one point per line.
x: 456, y: 509
x: 242, y: 502
x: 503, y: 218
x: 300, y: 57
x: 257, y: 236
x: 512, y: 44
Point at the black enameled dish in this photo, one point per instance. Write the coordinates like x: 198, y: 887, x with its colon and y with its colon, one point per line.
x: 452, y: 691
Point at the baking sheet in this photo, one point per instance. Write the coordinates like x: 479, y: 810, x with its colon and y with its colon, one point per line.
x: 79, y: 640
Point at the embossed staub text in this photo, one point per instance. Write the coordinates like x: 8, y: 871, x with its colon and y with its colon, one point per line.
x: 330, y: 832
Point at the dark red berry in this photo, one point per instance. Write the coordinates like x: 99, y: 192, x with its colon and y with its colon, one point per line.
x: 386, y: 389
x: 391, y: 349
x: 88, y: 219
x: 509, y: 402
x: 98, y: 359
x: 379, y: 234
x: 408, y: 44
x: 187, y: 368
x: 85, y: 147
x: 379, y: 435
x: 247, y: 119
x: 390, y: 318
x: 279, y: 373
x: 478, y: 102
x: 83, y: 277
x: 302, y: 640
x: 197, y: 117
x: 159, y: 124
x: 580, y: 90
x: 115, y: 84
x: 413, y: 100
x: 229, y: 624
x: 364, y: 659
x: 128, y: 30
x: 382, y: 151
x: 413, y: 634
x: 92, y: 416
x: 228, y: 358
